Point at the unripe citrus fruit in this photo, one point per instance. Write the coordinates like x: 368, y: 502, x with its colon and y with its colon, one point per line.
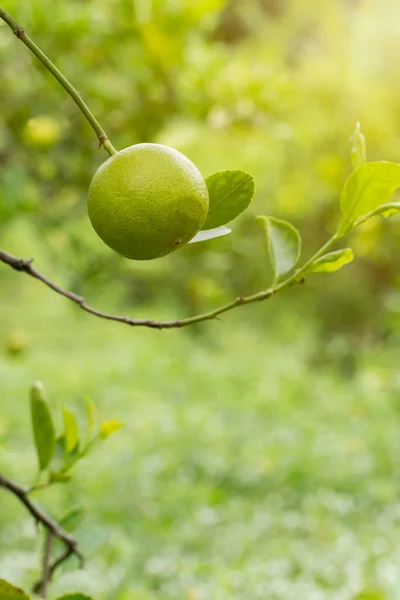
x: 147, y: 200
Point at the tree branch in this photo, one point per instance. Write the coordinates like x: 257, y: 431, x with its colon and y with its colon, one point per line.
x: 53, y: 529
x: 46, y: 564
x: 75, y: 95
x: 25, y: 266
x: 36, y: 589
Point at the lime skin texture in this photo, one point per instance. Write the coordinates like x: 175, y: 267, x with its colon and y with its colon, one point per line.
x: 147, y: 200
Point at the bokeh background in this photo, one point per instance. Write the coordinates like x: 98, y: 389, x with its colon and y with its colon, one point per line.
x: 261, y: 453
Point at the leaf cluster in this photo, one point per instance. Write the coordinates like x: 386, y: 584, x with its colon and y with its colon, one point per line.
x: 366, y: 194
x: 57, y: 454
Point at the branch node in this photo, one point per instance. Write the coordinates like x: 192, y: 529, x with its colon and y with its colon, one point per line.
x: 19, y: 31
x: 23, y: 264
x: 52, y: 527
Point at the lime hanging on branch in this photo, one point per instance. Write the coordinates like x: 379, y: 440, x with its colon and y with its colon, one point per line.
x: 147, y: 200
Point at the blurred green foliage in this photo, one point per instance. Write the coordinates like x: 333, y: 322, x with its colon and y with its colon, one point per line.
x: 260, y: 458
x: 270, y: 87
x: 248, y: 468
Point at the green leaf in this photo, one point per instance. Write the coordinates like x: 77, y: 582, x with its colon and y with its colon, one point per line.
x: 71, y: 434
x: 366, y: 190
x: 109, y: 427
x: 73, y: 518
x: 10, y: 592
x: 333, y: 261
x: 210, y: 234
x: 69, y: 522
x: 358, y: 151
x: 43, y: 426
x: 91, y: 414
x: 230, y: 194
x: 284, y: 244
x: 74, y: 597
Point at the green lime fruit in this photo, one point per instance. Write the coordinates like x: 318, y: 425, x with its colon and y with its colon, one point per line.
x: 42, y: 132
x: 147, y: 200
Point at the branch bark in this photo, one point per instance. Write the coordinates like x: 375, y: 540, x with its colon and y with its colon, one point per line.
x: 25, y: 266
x: 51, y: 568
x: 46, y: 569
x: 297, y: 276
x: 53, y: 529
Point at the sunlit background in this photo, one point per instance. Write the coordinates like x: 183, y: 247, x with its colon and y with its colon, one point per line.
x: 261, y: 454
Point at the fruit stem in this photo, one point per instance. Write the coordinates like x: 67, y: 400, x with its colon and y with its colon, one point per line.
x: 75, y: 95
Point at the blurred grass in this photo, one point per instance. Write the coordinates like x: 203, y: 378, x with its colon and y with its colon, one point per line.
x: 246, y: 469
x: 261, y: 453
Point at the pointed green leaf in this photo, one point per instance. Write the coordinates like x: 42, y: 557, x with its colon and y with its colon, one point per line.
x: 11, y: 592
x: 71, y: 434
x: 73, y: 518
x: 109, y: 427
x: 333, y: 261
x: 230, y: 194
x: 91, y: 414
x: 210, y: 234
x: 358, y: 151
x: 368, y: 188
x: 70, y: 521
x: 42, y: 424
x: 284, y: 244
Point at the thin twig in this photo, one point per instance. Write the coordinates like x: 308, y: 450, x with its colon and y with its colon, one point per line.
x: 75, y: 95
x: 41, y: 517
x: 25, y: 266
x: 46, y: 564
x: 52, y: 567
